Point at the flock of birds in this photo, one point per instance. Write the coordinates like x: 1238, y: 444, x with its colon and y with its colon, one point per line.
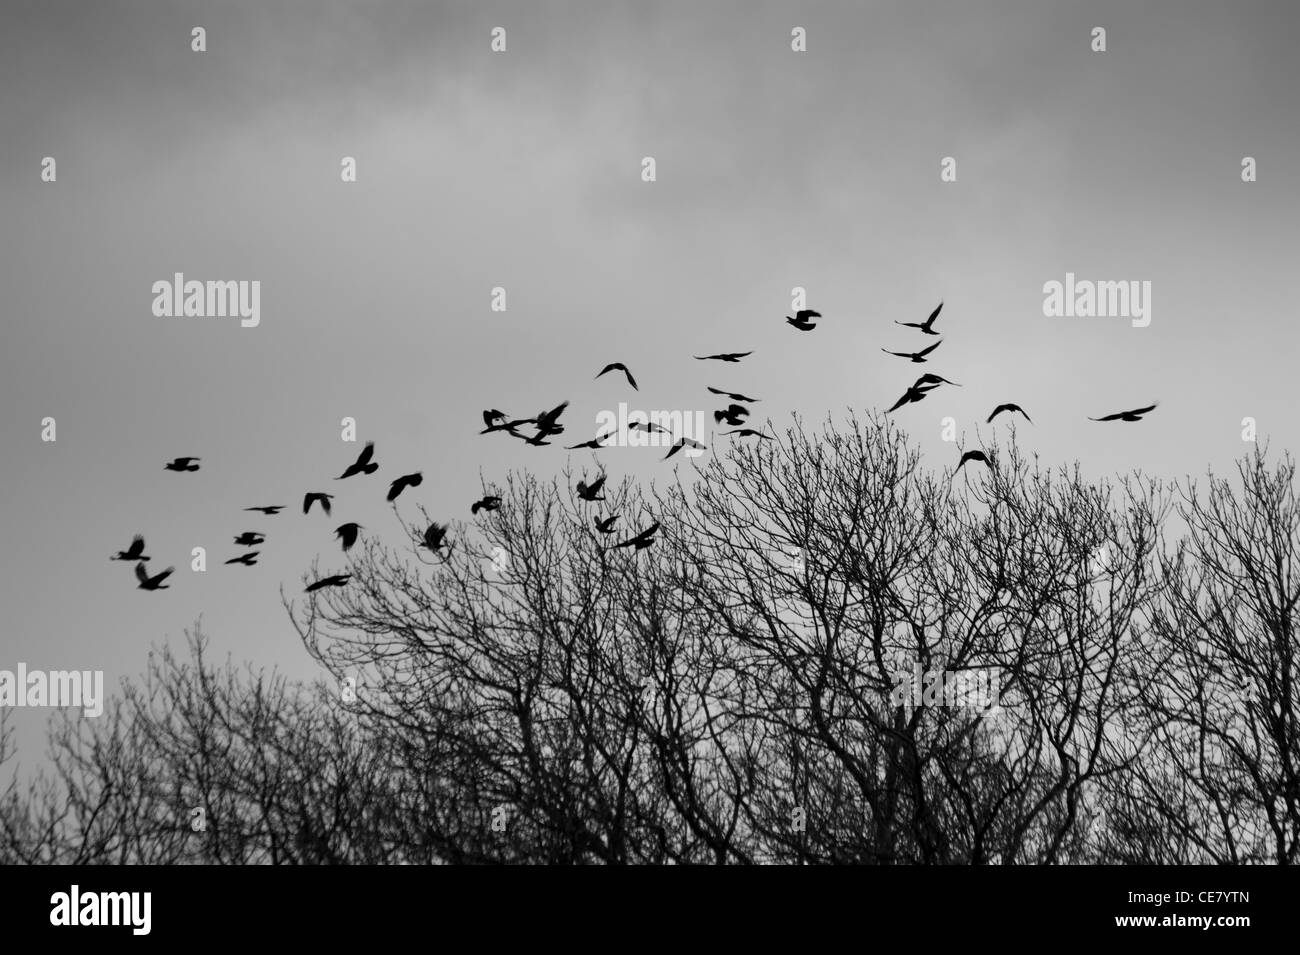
x: 546, y: 424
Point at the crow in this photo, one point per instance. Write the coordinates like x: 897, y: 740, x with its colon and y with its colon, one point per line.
x: 1009, y: 407
x: 619, y: 366
x: 595, y: 443
x: 489, y: 503
x: 347, y: 533
x: 363, y: 464
x: 335, y: 580
x: 912, y: 394
x: 649, y: 427
x: 801, y: 319
x: 591, y: 492
x: 641, y: 540
x: 402, y: 483
x: 248, y: 559
x: 749, y: 433
x: 728, y: 394
x: 974, y: 456
x: 546, y: 419
x: 250, y: 539
x: 725, y: 356
x: 135, y: 552
x: 915, y: 356
x: 155, y: 582
x: 181, y: 464
x: 497, y: 421
x: 734, y: 415
x: 926, y: 326
x: 272, y: 509
x: 317, y: 496
x: 1135, y: 415
x: 606, y: 526
x: 683, y: 443
x: 433, y: 536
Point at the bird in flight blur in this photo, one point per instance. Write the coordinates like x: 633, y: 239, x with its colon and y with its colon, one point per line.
x: 725, y: 356
x: 250, y: 539
x: 606, y: 526
x: 433, y: 536
x: 591, y: 492
x: 619, y: 366
x: 1011, y: 408
x: 497, y: 421
x: 926, y: 326
x: 181, y: 464
x: 248, y: 559
x: 155, y: 582
x: 641, y: 540
x: 316, y: 497
x: 929, y: 379
x: 918, y: 356
x: 733, y: 415
x: 135, y: 552
x: 683, y: 443
x: 801, y: 319
x: 363, y: 464
x: 974, y: 456
x: 1134, y: 415
x: 347, y: 533
x: 914, y: 393
x: 334, y: 580
x: 649, y: 427
x: 272, y: 509
x: 402, y: 483
x: 595, y: 443
x: 489, y: 503
x: 728, y: 394
x: 749, y: 433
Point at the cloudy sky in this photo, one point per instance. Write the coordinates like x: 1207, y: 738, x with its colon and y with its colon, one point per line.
x: 522, y: 169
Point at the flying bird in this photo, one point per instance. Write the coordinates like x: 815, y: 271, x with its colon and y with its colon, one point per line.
x: 619, y: 366
x: 248, y: 559
x: 595, y: 443
x: 728, y: 394
x: 725, y: 356
x: 134, y: 552
x: 801, y: 319
x: 606, y: 526
x: 641, y: 540
x: 498, y: 421
x: 181, y: 464
x: 974, y: 456
x: 546, y: 419
x: 402, y: 483
x: 334, y: 580
x: 155, y: 582
x: 914, y: 393
x: 591, y: 492
x: 1134, y: 415
x: 489, y: 503
x: 749, y: 433
x: 1009, y: 407
x: 433, y: 536
x: 926, y: 326
x: 928, y: 379
x: 316, y: 497
x: 915, y: 356
x: 271, y: 509
x: 734, y: 415
x: 347, y: 533
x: 649, y: 427
x: 250, y: 539
x: 363, y: 464
x: 683, y: 443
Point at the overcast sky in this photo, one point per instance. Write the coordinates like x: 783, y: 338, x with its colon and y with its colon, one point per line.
x: 775, y: 169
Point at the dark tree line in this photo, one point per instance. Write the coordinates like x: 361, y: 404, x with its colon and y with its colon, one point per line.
x: 725, y: 696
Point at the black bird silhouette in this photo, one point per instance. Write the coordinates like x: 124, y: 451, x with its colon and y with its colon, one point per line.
x: 271, y: 509
x: 641, y: 540
x: 591, y: 492
x: 974, y: 456
x: 1134, y: 415
x: 1009, y: 407
x: 347, y: 533
x: 749, y: 433
x: 728, y: 394
x: 489, y: 503
x: 497, y: 421
x: 734, y: 415
x: 928, y: 379
x: 546, y: 419
x: 317, y: 496
x: 181, y: 464
x: 926, y: 326
x: 363, y: 464
x: 915, y: 356
x: 433, y: 536
x: 536, y: 439
x: 800, y: 320
x: 250, y: 538
x: 402, y: 483
x: 725, y: 356
x: 606, y: 526
x: 683, y: 443
x: 155, y: 582
x: 134, y: 552
x: 619, y: 366
x: 914, y: 393
x: 334, y: 580
x: 595, y: 443
x: 248, y: 560
x: 649, y: 427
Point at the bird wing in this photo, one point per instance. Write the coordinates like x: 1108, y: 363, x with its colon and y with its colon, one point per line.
x: 630, y: 380
x: 804, y: 314
x: 900, y: 354
x: 1109, y: 417
x: 164, y: 575
x: 140, y: 574
x: 366, y: 454
x: 1144, y: 410
x: 926, y: 351
x: 933, y: 315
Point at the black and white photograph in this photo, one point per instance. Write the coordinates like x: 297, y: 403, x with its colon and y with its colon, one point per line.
x: 649, y: 433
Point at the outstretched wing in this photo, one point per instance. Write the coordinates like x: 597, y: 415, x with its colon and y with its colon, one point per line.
x: 140, y: 574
